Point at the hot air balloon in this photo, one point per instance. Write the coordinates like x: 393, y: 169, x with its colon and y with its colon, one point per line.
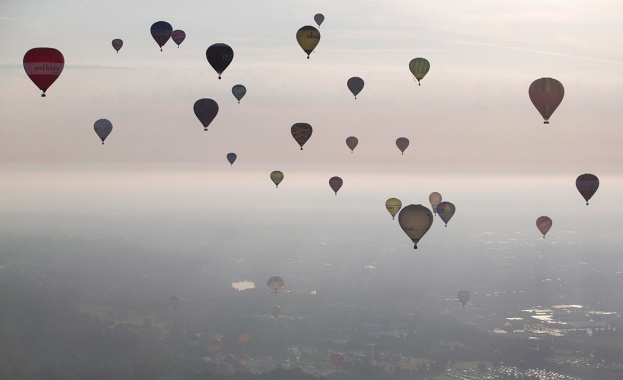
x: 415, y: 221
x: 161, y: 32
x: 446, y: 211
x: 214, y: 346
x: 102, y: 127
x: 175, y: 300
x: 231, y: 157
x: 301, y: 133
x: 239, y: 91
x: 219, y: 56
x: 351, y: 143
x: 463, y: 297
x: 268, y: 361
x: 402, y: 143
x: 419, y: 67
x: 587, y: 185
x: 275, y: 283
x: 544, y: 223
x: 117, y: 44
x: 276, y: 177
x: 206, y: 110
x: 178, y: 36
x: 335, y: 183
x: 308, y: 38
x: 355, y: 85
x: 43, y: 66
x: 276, y: 311
x: 244, y: 360
x: 434, y: 198
x: 546, y: 95
x: 244, y: 338
x: 337, y: 359
x: 393, y: 205
x: 319, y: 18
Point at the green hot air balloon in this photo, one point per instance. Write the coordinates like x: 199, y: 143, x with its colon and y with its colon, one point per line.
x: 419, y: 67
x: 276, y: 177
x: 463, y: 297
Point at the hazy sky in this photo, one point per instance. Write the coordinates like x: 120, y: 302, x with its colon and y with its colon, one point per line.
x: 475, y: 136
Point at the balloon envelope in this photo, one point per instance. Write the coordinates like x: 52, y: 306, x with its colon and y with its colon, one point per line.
x: 463, y: 297
x: 308, y: 38
x: 239, y: 91
x: 275, y: 283
x: 393, y: 205
x: 214, y: 346
x: 161, y: 32
x: 319, y: 18
x: 544, y: 223
x: 276, y: 177
x: 244, y: 338
x: 337, y: 359
x: 434, y: 198
x: 219, y: 56
x: 335, y: 183
x: 587, y: 185
x: 301, y: 133
x: 419, y: 67
x: 402, y: 143
x: 351, y: 143
x: 415, y: 221
x: 102, y: 127
x: 43, y: 66
x: 206, y: 110
x: 178, y: 36
x: 276, y: 311
x: 355, y: 85
x: 117, y: 44
x: 446, y: 211
x: 231, y: 157
x: 546, y: 95
x: 175, y: 300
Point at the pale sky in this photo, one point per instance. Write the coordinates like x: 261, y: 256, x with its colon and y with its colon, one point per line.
x: 474, y: 132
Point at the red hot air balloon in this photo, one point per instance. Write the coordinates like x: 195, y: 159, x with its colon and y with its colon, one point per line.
x: 546, y: 95
x: 544, y: 223
x: 587, y: 185
x: 301, y: 133
x: 244, y: 338
x: 43, y: 66
x: 335, y: 183
x: 161, y: 32
x: 337, y: 359
x: 178, y: 37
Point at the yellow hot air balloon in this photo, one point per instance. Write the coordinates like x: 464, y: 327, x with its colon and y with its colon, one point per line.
x: 393, y: 205
x: 419, y: 67
x: 308, y: 38
x: 415, y: 221
x: 435, y: 199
